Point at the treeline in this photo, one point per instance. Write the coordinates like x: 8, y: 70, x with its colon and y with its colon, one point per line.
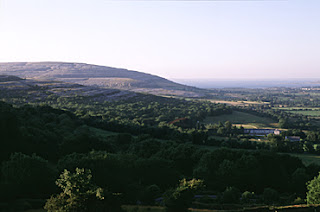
x: 138, y: 114
x: 145, y: 110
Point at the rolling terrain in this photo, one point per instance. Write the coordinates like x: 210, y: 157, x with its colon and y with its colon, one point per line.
x: 101, y: 76
x: 29, y: 90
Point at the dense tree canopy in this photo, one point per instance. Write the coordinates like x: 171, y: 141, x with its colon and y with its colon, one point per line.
x: 142, y: 162
x: 313, y: 194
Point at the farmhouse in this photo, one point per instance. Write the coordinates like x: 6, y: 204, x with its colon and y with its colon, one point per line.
x: 262, y: 131
x: 277, y: 132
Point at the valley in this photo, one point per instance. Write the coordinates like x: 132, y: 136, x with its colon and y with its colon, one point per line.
x: 140, y: 140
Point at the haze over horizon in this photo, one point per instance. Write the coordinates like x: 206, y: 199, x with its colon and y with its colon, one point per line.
x: 171, y: 39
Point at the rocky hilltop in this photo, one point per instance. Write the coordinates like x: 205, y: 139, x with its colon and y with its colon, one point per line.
x: 102, y: 76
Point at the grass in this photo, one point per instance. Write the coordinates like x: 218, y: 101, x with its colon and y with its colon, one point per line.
x: 306, y: 111
x: 308, y: 159
x: 238, y: 103
x: 246, y: 120
x: 219, y: 138
x: 102, y: 133
x: 295, y: 108
x: 260, y: 139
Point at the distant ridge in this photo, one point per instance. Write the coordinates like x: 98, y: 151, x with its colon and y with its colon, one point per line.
x: 102, y: 76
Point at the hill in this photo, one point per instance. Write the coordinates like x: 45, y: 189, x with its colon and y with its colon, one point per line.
x: 8, y: 78
x: 102, y: 76
x: 30, y: 90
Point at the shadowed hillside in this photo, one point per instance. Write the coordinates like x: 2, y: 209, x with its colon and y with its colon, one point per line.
x: 101, y: 76
x: 8, y: 78
x: 39, y: 90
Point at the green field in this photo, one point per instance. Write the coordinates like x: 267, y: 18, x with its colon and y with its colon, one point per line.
x: 308, y: 159
x: 246, y: 120
x: 315, y: 113
x: 295, y: 108
x: 238, y: 103
x: 306, y: 111
x: 103, y: 134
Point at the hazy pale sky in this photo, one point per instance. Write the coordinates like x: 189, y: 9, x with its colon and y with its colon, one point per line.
x: 173, y: 39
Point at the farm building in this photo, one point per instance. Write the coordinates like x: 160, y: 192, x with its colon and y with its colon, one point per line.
x: 293, y: 138
x: 262, y: 131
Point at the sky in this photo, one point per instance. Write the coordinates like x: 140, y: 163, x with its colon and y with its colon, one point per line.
x: 254, y: 39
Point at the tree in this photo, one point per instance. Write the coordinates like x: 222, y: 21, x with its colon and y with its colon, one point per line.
x: 231, y: 195
x: 31, y: 174
x: 283, y: 123
x: 180, y: 198
x: 79, y: 194
x: 228, y: 126
x: 313, y: 193
x: 150, y: 194
x: 270, y: 195
x: 247, y: 196
x: 298, y: 179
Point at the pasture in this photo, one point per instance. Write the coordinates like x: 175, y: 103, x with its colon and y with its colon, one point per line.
x: 103, y: 134
x: 313, y: 113
x: 246, y: 120
x: 238, y: 103
x: 307, y: 159
x: 306, y: 111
